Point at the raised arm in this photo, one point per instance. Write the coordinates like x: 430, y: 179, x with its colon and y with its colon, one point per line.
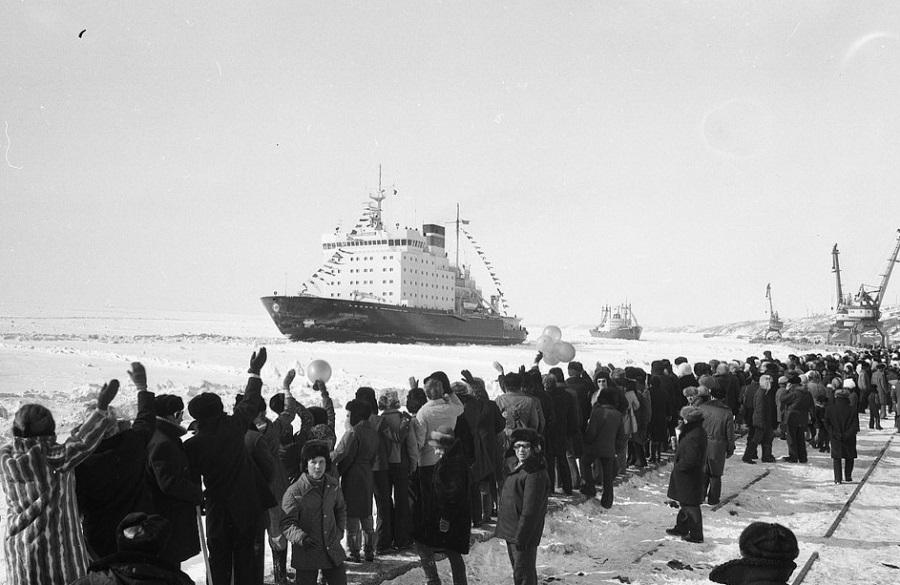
x: 246, y: 410
x: 145, y: 421
x: 86, y: 437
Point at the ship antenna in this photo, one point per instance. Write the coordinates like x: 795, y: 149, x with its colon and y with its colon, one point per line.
x: 377, y: 198
x: 457, y: 235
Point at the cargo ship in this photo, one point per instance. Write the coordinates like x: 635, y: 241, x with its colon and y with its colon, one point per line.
x: 618, y: 323
x: 378, y: 284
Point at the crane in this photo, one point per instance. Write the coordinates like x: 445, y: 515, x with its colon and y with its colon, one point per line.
x: 860, y: 313
x: 775, y: 323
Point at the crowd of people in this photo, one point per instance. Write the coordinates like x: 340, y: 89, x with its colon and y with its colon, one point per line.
x: 128, y: 496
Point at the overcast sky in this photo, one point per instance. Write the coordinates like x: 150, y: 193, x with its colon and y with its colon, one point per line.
x: 678, y: 154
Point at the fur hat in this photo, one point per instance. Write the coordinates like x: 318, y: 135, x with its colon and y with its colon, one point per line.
x: 205, y: 405
x: 684, y: 369
x: 512, y: 381
x: 794, y: 379
x: 459, y: 388
x: 359, y: 410
x: 167, y: 404
x: 415, y: 399
x: 139, y: 532
x: 312, y: 449
x: 276, y: 403
x: 442, y: 437
x: 691, y: 414
x: 762, y: 540
x: 442, y: 378
x: 368, y: 395
x: 33, y: 420
x: 529, y: 435
x: 690, y: 391
x: 782, y: 380
x: 702, y: 391
x: 389, y: 398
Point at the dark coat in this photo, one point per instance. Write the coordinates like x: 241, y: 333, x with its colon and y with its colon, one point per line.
x: 566, y: 420
x: 764, y: 412
x: 133, y: 568
x: 669, y: 385
x: 523, y: 502
x: 842, y: 422
x: 263, y: 463
x: 449, y: 500
x: 797, y: 406
x: 582, y: 390
x: 731, y: 386
x: 605, y: 430
x: 315, y: 517
x: 173, y: 493
x: 718, y: 422
x: 353, y: 457
x: 112, y: 482
x: 484, y: 421
x: 217, y: 453
x: 748, y: 401
x: 660, y: 413
x: 686, y: 481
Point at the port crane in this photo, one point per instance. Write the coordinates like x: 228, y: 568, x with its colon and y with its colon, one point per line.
x: 775, y: 323
x: 860, y: 313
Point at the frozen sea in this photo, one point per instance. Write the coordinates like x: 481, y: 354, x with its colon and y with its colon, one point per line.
x: 61, y: 360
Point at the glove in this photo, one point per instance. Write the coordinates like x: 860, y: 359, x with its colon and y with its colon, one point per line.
x: 319, y: 385
x: 539, y: 357
x: 257, y: 360
x: 444, y: 525
x: 498, y: 367
x: 413, y: 383
x: 138, y: 375
x: 467, y: 376
x: 288, y: 379
x: 278, y: 543
x: 107, y: 394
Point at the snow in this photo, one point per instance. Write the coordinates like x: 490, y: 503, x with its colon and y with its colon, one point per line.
x: 62, y: 360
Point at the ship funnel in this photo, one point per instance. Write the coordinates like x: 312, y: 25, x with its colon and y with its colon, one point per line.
x: 434, y: 235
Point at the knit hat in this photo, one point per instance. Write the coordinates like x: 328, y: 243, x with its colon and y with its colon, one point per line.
x: 389, y: 398
x: 684, y: 369
x: 205, y: 405
x: 529, y: 435
x: 691, y: 414
x: 442, y: 437
x: 167, y: 404
x: 139, y: 532
x: 33, y: 420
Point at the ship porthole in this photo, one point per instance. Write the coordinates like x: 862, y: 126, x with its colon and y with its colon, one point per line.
x: 275, y: 307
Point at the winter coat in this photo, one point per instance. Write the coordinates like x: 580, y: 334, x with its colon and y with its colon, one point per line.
x: 681, y: 383
x: 660, y: 412
x: 399, y: 435
x: 448, y: 499
x: 172, y: 491
x: 581, y: 390
x: 748, y: 400
x: 630, y: 418
x: 566, y: 421
x: 353, y: 458
x: 216, y: 453
x: 606, y: 428
x: 523, y: 502
x: 797, y: 405
x: 880, y: 384
x: 842, y: 423
x: 273, y: 434
x: 484, y: 421
x: 669, y: 385
x: 686, y: 482
x: 731, y: 387
x: 521, y: 411
x: 718, y: 422
x: 643, y: 415
x: 43, y: 543
x: 133, y: 568
x: 263, y: 464
x: 764, y: 410
x: 315, y: 517
x: 112, y: 481
x: 434, y: 414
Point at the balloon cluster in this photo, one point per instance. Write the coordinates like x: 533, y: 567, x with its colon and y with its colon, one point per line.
x: 555, y: 350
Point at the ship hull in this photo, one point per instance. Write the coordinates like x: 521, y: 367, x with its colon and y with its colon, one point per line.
x: 307, y: 318
x: 633, y: 333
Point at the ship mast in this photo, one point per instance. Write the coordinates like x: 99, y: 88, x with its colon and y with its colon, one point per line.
x: 457, y: 235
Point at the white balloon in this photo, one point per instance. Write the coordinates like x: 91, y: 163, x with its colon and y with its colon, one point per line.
x: 553, y: 332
